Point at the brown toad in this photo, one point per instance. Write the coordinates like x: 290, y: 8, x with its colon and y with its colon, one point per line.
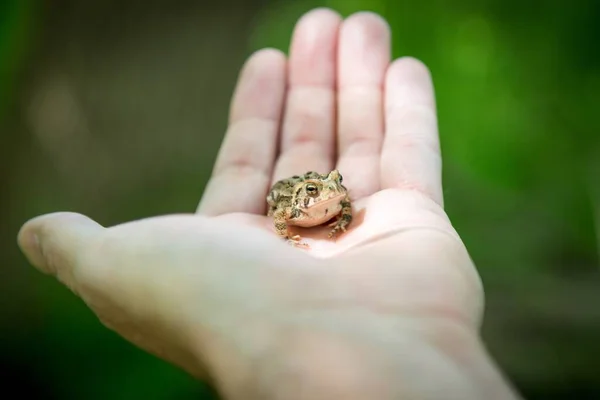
x: 309, y: 200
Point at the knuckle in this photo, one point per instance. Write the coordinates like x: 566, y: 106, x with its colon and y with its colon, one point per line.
x: 94, y: 264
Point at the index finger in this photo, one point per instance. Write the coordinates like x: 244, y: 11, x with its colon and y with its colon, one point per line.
x: 247, y: 155
x: 411, y: 156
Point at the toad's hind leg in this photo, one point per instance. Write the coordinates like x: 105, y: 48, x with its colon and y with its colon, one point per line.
x: 344, y: 219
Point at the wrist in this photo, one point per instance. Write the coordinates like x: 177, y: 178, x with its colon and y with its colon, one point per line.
x: 416, y: 361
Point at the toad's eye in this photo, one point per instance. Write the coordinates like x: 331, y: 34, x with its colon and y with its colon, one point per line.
x: 341, y: 178
x: 312, y: 189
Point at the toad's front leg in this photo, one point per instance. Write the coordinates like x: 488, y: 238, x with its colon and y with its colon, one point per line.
x: 282, y: 229
x: 344, y: 218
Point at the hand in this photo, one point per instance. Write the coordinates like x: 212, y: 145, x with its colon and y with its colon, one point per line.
x: 391, y: 309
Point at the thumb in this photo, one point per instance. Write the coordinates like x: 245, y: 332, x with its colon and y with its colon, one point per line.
x: 52, y: 242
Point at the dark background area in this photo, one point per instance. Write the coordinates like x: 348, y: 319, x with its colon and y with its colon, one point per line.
x: 116, y: 109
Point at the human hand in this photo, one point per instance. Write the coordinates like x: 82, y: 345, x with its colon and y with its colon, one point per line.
x: 391, y: 309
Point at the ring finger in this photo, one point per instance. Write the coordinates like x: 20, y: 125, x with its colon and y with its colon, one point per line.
x: 364, y: 56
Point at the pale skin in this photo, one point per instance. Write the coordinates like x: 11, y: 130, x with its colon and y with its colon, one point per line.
x: 390, y: 310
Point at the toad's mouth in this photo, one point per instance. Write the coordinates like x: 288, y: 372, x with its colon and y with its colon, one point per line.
x: 320, y: 203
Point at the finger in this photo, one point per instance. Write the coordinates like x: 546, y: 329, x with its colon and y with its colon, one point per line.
x: 411, y: 157
x: 244, y: 166
x: 308, y: 140
x: 364, y: 55
x: 54, y: 242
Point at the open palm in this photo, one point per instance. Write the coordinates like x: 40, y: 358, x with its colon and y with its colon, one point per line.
x: 337, y: 103
x: 219, y: 292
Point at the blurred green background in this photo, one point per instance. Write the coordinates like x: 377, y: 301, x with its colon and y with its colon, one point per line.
x: 116, y: 109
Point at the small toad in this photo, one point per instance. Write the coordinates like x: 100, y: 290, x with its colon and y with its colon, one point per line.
x: 309, y: 200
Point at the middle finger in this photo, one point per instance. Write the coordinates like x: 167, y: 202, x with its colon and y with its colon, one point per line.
x: 308, y: 139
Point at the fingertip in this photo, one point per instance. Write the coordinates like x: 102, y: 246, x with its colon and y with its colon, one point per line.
x: 318, y: 24
x: 410, y: 62
x: 321, y: 13
x: 408, y: 68
x: 46, y: 223
x: 313, y: 48
x: 260, y: 89
x: 368, y: 19
x: 49, y: 241
x: 264, y: 66
x: 28, y: 242
x: 364, y: 50
x: 408, y: 81
x: 266, y: 56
